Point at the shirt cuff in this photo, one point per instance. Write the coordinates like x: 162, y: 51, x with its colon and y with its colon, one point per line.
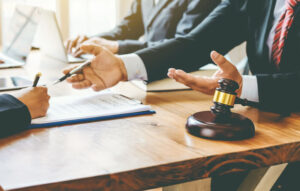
x: 135, y: 67
x: 250, y: 89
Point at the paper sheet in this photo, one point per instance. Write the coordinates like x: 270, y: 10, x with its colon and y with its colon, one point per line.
x: 102, y: 104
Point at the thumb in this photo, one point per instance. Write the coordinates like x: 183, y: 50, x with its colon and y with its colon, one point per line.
x: 222, y: 62
x: 91, y: 49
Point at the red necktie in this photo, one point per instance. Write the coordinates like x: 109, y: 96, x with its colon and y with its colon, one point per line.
x: 282, y: 30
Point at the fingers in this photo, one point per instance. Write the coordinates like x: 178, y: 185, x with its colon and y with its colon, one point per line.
x: 198, y: 83
x: 91, y: 48
x: 189, y: 79
x: 67, y: 45
x: 171, y: 73
x: 78, y: 53
x: 82, y: 84
x: 222, y: 62
x: 41, y: 89
x: 78, y: 81
x: 86, y: 80
x: 97, y: 82
x: 75, y: 78
x: 67, y: 70
x: 80, y: 41
x: 73, y: 44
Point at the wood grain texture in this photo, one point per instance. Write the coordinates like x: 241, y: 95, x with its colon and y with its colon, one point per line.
x: 137, y: 153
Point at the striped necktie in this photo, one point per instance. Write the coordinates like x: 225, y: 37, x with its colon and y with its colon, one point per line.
x: 282, y: 30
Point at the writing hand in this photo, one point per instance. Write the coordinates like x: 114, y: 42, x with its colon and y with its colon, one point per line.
x: 36, y: 99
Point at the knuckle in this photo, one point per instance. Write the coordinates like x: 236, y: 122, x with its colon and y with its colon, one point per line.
x: 87, y: 83
x: 97, y: 88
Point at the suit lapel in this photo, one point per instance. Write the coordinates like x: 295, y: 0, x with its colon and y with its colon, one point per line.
x: 266, y: 27
x: 147, y: 8
x: 156, y: 11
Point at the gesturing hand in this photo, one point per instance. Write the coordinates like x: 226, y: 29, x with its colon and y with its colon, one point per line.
x: 105, y: 71
x: 208, y: 85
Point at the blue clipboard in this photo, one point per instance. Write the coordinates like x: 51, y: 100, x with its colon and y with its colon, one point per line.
x: 86, y: 120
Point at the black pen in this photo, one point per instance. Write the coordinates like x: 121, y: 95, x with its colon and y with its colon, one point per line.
x: 36, y: 79
x: 74, y: 71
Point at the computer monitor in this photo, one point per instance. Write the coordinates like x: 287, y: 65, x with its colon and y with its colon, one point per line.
x: 19, y: 36
x: 51, y: 41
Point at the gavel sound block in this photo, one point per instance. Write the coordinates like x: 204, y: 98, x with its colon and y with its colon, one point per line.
x: 220, y: 123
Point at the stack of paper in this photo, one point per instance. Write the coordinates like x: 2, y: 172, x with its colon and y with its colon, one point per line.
x: 78, y: 109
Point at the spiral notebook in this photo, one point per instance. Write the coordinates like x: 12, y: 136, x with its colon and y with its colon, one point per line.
x: 77, y: 109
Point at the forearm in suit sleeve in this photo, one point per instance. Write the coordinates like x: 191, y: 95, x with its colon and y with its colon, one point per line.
x: 14, y: 116
x: 279, y: 92
x: 131, y: 27
x: 196, y: 12
x: 129, y: 46
x: 222, y: 30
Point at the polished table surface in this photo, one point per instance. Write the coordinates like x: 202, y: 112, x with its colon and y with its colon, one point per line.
x: 136, y: 153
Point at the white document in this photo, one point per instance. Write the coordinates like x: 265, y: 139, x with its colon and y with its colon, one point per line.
x: 100, y: 105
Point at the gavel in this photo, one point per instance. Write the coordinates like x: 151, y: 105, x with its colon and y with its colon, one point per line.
x: 220, y: 123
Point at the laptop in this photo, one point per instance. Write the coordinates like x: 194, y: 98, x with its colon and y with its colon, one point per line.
x: 20, y: 35
x: 50, y: 38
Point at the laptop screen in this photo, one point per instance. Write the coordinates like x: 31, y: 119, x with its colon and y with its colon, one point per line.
x: 21, y: 32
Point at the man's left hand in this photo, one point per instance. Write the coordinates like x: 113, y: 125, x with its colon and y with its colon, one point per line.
x: 208, y: 85
x: 111, y: 45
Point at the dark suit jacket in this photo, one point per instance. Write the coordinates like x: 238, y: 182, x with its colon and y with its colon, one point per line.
x: 14, y: 116
x: 230, y: 24
x: 168, y: 19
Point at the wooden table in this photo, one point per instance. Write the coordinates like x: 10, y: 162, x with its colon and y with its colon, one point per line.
x: 137, y: 153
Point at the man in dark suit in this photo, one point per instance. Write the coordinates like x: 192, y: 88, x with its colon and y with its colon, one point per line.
x: 271, y: 29
x: 17, y: 111
x: 274, y: 84
x: 157, y: 20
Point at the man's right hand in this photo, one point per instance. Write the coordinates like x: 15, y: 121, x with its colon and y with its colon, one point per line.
x: 73, y: 45
x: 105, y: 71
x: 36, y: 100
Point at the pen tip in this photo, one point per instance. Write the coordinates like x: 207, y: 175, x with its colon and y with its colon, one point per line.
x: 39, y: 74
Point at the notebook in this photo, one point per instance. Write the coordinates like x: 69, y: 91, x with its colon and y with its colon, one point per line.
x: 79, y: 109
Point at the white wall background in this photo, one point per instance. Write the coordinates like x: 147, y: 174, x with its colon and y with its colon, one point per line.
x: 75, y: 16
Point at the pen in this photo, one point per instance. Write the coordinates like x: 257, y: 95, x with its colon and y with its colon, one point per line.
x: 36, y: 79
x: 74, y: 71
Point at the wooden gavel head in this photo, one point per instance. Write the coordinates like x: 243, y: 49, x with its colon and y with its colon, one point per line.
x: 224, y: 97
x: 220, y: 123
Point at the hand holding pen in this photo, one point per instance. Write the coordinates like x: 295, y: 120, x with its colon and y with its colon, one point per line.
x: 36, y: 99
x: 72, y: 72
x: 106, y: 70
x: 36, y: 79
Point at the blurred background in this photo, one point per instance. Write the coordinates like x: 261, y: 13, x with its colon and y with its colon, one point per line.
x: 74, y: 16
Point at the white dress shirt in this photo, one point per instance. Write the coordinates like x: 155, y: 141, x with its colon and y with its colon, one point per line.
x: 136, y: 69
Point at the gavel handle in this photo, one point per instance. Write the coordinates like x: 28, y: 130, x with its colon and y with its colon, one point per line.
x: 245, y: 102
